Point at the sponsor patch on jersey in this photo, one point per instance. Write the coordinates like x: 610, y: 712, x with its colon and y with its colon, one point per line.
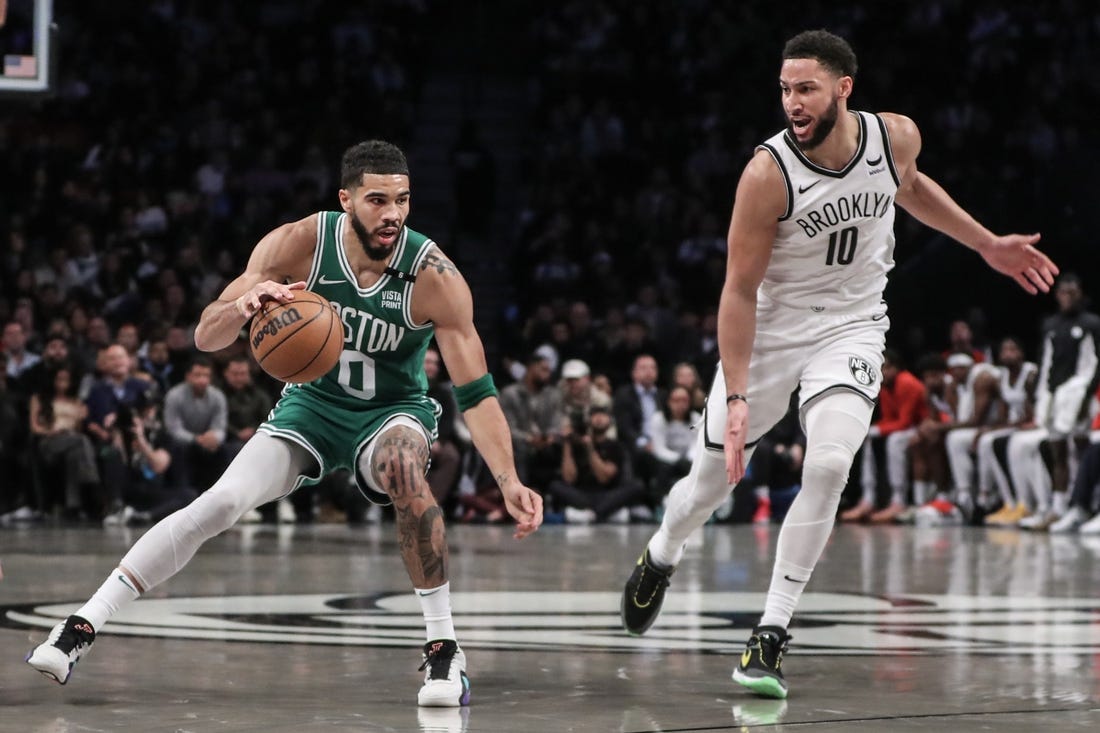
x: 863, y: 372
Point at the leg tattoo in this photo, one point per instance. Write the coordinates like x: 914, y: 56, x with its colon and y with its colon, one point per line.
x: 398, y: 467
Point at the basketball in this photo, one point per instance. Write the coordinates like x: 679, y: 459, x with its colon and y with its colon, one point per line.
x: 299, y: 341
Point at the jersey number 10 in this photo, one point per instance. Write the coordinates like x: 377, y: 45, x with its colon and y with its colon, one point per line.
x: 842, y: 246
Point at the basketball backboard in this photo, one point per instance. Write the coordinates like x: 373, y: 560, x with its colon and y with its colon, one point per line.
x: 26, y: 46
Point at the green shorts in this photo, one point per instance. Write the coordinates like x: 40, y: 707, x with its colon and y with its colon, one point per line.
x: 337, y: 436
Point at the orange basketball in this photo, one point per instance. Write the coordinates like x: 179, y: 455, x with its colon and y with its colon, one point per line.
x: 299, y: 341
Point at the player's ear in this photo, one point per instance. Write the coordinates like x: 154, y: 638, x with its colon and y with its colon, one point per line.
x: 844, y: 87
x: 345, y: 200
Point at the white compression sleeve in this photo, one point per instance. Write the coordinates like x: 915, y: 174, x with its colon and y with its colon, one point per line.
x: 263, y: 471
x: 835, y: 428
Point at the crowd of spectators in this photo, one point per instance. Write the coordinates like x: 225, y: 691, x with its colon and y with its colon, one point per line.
x: 137, y: 190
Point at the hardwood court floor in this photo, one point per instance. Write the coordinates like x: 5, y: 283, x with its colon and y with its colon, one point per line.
x: 313, y: 628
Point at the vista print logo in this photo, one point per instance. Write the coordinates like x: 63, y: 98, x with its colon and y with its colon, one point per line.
x: 826, y: 623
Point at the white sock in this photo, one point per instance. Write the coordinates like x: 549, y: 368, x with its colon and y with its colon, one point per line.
x: 922, y: 492
x: 662, y: 553
x: 116, y: 591
x: 436, y: 605
x: 1059, y: 502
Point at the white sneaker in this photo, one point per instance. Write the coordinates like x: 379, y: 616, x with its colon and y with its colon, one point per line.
x: 622, y: 516
x: 573, y: 515
x: 1070, y: 521
x: 67, y: 643
x: 286, y: 512
x: 121, y: 518
x: 1092, y: 526
x: 1039, y: 521
x: 446, y: 684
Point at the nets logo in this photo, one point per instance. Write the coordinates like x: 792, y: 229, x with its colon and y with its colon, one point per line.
x: 709, y: 623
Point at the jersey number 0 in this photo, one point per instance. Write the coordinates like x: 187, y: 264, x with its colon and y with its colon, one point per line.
x: 357, y: 374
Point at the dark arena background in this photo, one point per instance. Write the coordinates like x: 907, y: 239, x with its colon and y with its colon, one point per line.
x: 577, y: 160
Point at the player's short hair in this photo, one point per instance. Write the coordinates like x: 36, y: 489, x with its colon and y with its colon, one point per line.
x: 371, y: 156
x: 830, y: 50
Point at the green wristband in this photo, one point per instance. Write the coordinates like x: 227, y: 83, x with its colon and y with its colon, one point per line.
x: 470, y: 394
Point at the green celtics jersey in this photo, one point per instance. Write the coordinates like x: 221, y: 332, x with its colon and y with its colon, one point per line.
x: 383, y: 357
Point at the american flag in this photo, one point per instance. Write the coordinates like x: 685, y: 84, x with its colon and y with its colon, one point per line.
x: 22, y: 67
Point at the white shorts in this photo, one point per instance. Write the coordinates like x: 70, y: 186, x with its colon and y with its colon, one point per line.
x: 816, y: 354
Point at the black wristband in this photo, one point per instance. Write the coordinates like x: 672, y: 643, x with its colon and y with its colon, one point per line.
x: 736, y: 396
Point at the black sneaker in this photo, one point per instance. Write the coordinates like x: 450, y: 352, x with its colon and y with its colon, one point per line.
x: 760, y: 669
x: 644, y: 594
x: 67, y: 643
x: 445, y: 682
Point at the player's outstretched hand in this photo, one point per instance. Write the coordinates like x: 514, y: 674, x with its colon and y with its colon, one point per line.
x: 525, y: 506
x: 249, y: 303
x: 737, y: 426
x: 1015, y: 255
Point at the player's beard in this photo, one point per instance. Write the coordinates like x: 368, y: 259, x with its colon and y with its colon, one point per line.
x: 825, y: 125
x: 374, y: 252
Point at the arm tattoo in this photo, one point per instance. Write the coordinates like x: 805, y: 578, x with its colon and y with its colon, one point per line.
x: 501, y: 478
x: 437, y: 260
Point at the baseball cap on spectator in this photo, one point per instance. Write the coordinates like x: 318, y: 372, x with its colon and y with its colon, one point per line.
x: 574, y: 369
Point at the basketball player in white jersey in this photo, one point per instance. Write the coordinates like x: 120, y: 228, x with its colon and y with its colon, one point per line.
x: 1017, y: 383
x: 810, y: 243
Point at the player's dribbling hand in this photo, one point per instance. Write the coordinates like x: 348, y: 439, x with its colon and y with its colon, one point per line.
x: 1015, y: 255
x: 737, y: 426
x: 249, y: 303
x: 525, y: 506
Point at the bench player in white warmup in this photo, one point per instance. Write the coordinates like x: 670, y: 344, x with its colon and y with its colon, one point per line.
x: 810, y: 242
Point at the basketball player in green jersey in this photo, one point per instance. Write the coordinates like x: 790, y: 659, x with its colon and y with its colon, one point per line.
x: 392, y: 288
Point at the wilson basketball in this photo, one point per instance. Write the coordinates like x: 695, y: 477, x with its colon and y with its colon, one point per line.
x: 299, y: 341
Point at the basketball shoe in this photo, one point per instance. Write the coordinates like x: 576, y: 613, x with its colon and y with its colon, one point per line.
x: 445, y: 682
x: 760, y: 668
x: 67, y: 643
x: 644, y: 594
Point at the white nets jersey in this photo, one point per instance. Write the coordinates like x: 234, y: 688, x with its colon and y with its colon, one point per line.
x: 1015, y: 393
x: 835, y: 241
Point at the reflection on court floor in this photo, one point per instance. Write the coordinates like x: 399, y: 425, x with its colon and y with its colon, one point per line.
x: 298, y: 628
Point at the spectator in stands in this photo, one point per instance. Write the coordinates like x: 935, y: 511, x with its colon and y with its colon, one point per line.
x: 532, y: 410
x: 593, y: 487
x: 14, y: 344
x: 247, y: 405
x: 116, y: 387
x: 684, y: 374
x: 671, y: 430
x: 634, y: 405
x: 138, y: 464
x: 56, y: 421
x: 195, y: 415
x: 55, y: 354
x: 157, y: 364
x: 579, y: 395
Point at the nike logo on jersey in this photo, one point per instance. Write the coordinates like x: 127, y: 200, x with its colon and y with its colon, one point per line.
x: 325, y: 281
x: 874, y: 162
x: 804, y: 189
